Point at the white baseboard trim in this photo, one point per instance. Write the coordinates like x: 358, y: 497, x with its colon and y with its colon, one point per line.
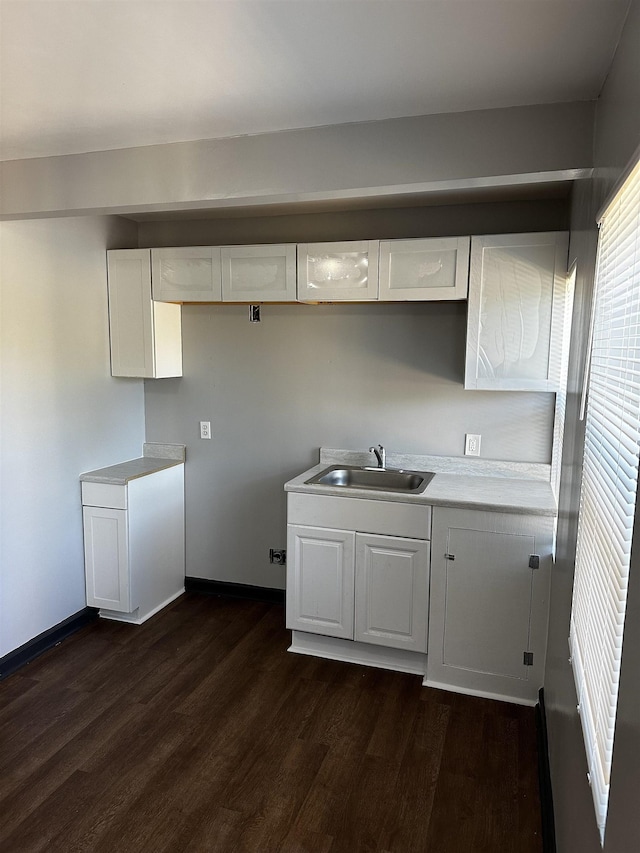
x: 134, y: 618
x: 365, y: 654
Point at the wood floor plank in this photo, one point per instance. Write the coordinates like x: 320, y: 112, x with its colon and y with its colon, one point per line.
x: 198, y: 732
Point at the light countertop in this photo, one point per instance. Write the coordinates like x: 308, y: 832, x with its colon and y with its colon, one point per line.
x: 514, y: 489
x: 122, y: 472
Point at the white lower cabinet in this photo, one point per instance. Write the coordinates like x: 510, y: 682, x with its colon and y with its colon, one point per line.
x: 489, y: 602
x: 134, y: 544
x: 369, y: 588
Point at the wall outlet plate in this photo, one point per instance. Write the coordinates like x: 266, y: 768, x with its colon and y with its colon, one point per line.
x: 472, y: 444
x: 205, y: 429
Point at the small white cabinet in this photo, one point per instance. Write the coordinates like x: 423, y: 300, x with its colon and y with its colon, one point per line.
x: 490, y: 577
x: 425, y: 269
x: 330, y: 272
x: 134, y: 544
x: 516, y: 312
x: 145, y: 336
x: 259, y: 273
x: 189, y: 274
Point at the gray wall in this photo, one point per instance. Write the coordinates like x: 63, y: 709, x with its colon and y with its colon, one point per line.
x: 312, y: 375
x: 61, y: 412
x: 423, y: 153
x: 618, y: 135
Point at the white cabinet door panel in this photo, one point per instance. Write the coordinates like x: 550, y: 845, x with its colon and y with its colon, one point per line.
x: 320, y: 581
x: 131, y: 330
x: 488, y: 601
x: 189, y: 274
x: 517, y: 286
x: 259, y: 273
x: 106, y: 558
x: 338, y: 271
x: 427, y: 269
x: 392, y: 591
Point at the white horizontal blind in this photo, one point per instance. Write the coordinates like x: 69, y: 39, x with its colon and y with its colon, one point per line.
x: 609, y: 483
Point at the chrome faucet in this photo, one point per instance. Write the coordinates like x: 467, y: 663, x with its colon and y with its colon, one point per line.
x: 381, y: 455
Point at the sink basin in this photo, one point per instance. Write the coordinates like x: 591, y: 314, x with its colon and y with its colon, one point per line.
x: 379, y: 479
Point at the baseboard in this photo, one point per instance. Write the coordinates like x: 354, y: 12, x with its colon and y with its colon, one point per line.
x: 234, y: 590
x: 544, y: 778
x: 45, y: 641
x: 364, y: 654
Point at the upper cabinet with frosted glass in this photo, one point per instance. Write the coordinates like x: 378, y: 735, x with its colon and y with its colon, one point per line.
x: 330, y: 272
x: 259, y: 273
x: 516, y: 312
x: 190, y: 274
x: 430, y: 268
x: 225, y: 274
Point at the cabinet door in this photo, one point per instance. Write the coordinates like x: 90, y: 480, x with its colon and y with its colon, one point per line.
x: 488, y: 605
x: 145, y: 337
x: 320, y: 577
x: 259, y: 273
x: 338, y: 271
x: 517, y: 285
x: 392, y: 591
x: 426, y: 269
x: 191, y: 274
x: 106, y: 558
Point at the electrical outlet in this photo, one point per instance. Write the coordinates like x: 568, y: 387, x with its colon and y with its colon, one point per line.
x: 205, y: 429
x: 472, y: 444
x: 278, y: 556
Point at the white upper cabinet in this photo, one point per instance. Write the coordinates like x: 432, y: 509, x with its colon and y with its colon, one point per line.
x: 191, y: 274
x: 145, y: 336
x: 259, y: 273
x: 329, y: 272
x: 516, y: 312
x: 425, y: 269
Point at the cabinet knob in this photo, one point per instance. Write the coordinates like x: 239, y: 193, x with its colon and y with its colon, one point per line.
x: 534, y: 561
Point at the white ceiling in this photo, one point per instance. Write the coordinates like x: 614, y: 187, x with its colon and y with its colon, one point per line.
x: 86, y: 75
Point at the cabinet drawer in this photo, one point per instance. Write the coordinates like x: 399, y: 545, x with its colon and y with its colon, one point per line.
x: 104, y: 494
x: 388, y: 518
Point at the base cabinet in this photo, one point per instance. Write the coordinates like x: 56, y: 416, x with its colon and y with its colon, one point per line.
x: 134, y: 544
x: 489, y: 602
x: 358, y: 586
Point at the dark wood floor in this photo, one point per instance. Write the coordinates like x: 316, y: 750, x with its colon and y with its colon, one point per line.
x: 199, y: 732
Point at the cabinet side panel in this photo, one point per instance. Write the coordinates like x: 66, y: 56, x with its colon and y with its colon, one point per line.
x: 168, y: 339
x: 156, y: 537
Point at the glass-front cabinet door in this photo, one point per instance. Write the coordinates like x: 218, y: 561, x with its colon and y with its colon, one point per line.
x: 259, y: 273
x: 431, y: 268
x: 329, y: 272
x: 189, y: 274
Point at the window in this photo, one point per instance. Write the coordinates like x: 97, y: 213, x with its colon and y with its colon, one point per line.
x: 609, y: 484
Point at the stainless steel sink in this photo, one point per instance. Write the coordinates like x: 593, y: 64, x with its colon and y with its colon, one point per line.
x: 379, y: 479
